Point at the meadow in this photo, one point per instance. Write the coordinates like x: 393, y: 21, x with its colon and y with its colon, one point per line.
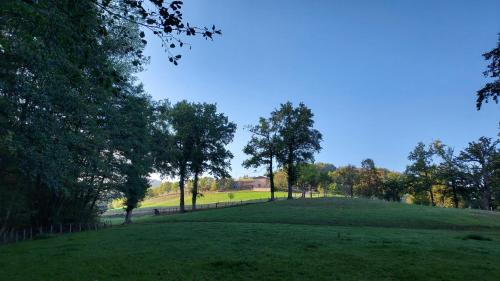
x: 303, y: 239
x: 172, y: 200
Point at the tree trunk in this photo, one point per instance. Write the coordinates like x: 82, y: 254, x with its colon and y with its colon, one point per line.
x: 432, y: 197
x: 194, y: 192
x: 455, y: 197
x: 289, y: 181
x: 351, y: 190
x: 182, y: 175
x: 290, y: 172
x: 486, y: 201
x: 128, y: 215
x: 271, y: 179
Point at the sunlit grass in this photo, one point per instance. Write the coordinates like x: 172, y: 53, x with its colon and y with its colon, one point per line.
x: 305, y: 239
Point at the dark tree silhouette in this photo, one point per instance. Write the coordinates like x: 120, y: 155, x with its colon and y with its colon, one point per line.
x: 299, y: 140
x: 263, y: 148
x: 492, y: 89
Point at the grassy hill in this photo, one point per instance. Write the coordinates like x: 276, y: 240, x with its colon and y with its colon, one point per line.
x: 306, y: 239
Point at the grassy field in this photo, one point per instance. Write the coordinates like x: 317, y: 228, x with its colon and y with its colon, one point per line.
x: 305, y: 239
x: 208, y: 197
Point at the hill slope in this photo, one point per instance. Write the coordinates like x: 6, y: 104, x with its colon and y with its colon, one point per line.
x: 307, y: 239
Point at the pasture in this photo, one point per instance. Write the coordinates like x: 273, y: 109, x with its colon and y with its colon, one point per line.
x: 304, y: 239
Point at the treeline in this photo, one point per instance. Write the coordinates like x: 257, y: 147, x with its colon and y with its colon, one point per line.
x: 76, y: 128
x: 436, y: 175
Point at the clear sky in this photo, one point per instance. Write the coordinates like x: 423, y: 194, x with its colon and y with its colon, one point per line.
x: 380, y: 76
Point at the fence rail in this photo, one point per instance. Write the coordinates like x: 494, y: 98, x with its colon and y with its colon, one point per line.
x: 23, y: 234
x: 176, y: 209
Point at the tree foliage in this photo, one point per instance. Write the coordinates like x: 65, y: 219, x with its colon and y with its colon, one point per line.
x: 492, y: 89
x: 263, y: 148
x: 298, y: 139
x: 76, y: 128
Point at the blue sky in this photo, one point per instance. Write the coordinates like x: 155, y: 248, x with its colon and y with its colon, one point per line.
x: 380, y: 76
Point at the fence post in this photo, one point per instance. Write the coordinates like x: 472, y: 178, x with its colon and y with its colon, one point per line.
x: 70, y: 228
x: 80, y: 226
x: 216, y: 204
x: 31, y: 233
x: 60, y: 228
x: 24, y: 234
x: 51, y: 228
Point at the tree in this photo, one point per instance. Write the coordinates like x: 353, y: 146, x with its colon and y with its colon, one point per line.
x: 369, y: 182
x: 59, y: 151
x: 308, y: 177
x: 133, y: 144
x: 450, y: 171
x: 175, y: 142
x: 421, y: 173
x: 481, y: 160
x: 346, y: 178
x: 57, y: 98
x: 314, y: 176
x: 263, y: 148
x: 392, y: 186
x: 163, y: 19
x: 299, y: 140
x: 492, y: 89
x: 212, y: 132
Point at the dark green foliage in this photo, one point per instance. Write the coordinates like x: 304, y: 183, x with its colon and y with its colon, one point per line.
x: 263, y: 148
x: 298, y: 139
x: 212, y: 133
x: 194, y: 138
x: 492, y: 89
x: 75, y: 128
x: 421, y: 173
x: 481, y: 167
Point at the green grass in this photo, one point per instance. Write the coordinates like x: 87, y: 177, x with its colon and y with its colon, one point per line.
x: 306, y: 239
x: 208, y: 198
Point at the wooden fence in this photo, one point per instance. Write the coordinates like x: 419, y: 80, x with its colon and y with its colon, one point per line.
x: 23, y: 234
x: 188, y: 208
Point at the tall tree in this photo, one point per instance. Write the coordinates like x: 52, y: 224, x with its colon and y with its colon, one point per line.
x: 298, y: 138
x: 263, y: 148
x: 421, y: 173
x: 212, y: 133
x: 481, y: 159
x: 492, y: 89
x: 176, y: 136
x: 133, y: 144
x: 450, y: 171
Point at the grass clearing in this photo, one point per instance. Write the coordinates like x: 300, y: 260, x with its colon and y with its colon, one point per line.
x: 208, y: 198
x: 306, y: 239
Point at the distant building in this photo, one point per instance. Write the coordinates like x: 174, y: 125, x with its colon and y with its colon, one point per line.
x: 253, y: 183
